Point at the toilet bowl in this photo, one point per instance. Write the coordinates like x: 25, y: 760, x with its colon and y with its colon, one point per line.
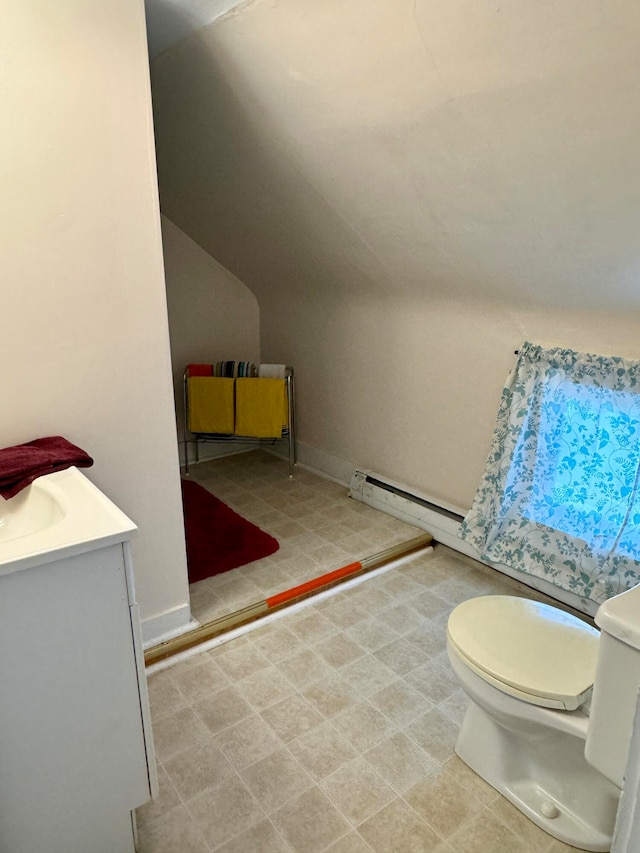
x: 551, y: 710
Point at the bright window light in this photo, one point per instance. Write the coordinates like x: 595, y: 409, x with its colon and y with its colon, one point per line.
x: 587, y: 456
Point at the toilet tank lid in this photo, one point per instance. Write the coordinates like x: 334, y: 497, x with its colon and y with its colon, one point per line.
x: 620, y: 617
x: 527, y: 645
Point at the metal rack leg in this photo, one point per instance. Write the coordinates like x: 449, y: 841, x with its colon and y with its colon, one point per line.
x: 291, y: 425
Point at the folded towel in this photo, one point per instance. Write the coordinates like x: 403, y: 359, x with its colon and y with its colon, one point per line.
x: 229, y: 369
x: 260, y: 407
x: 23, y: 463
x: 272, y: 371
x: 234, y: 369
x: 199, y: 370
x: 211, y: 404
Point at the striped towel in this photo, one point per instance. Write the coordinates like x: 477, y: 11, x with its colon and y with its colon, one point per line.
x: 230, y: 369
x: 234, y: 369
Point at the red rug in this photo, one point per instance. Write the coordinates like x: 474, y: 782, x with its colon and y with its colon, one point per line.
x: 218, y: 539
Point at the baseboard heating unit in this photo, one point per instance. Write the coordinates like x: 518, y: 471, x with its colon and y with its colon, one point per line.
x: 443, y: 522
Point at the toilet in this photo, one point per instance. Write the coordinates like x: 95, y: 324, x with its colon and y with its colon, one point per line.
x: 552, y: 707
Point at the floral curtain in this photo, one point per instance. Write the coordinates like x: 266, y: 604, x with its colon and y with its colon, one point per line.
x: 559, y: 498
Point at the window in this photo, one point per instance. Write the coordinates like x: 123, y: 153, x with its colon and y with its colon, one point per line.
x: 559, y: 495
x: 585, y: 474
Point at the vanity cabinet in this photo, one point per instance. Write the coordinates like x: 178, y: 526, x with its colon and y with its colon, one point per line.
x: 76, y: 754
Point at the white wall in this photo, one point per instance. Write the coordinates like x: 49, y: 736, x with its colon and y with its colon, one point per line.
x: 411, y: 189
x: 84, y: 347
x: 411, y: 390
x: 212, y: 315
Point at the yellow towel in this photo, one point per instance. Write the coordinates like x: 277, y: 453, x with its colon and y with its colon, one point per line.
x: 260, y: 404
x: 211, y: 404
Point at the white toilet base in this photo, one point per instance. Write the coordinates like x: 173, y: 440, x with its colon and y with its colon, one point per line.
x: 541, y: 771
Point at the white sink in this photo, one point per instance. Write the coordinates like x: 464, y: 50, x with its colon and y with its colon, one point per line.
x: 35, y: 508
x: 57, y: 515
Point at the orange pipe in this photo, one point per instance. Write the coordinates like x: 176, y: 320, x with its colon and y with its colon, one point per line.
x: 309, y: 586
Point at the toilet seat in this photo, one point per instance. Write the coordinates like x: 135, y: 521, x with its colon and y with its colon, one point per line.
x: 532, y: 651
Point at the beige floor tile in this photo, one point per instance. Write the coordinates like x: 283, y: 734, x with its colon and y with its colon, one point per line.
x: 166, y: 799
x: 196, y: 682
x: 535, y: 838
x: 396, y: 828
x: 455, y: 706
x: 443, y: 803
x: 326, y: 603
x: 317, y: 709
x: 428, y: 637
x: 400, y: 761
x: 262, y: 837
x: 344, y: 613
x: 197, y: 768
x: 164, y: 696
x: 370, y: 599
x: 430, y: 605
x: 371, y: 634
x: 368, y: 674
x: 321, y: 751
x: 363, y: 725
x: 239, y: 663
x: 225, y: 646
x: 357, y: 790
x: 276, y: 642
x: 178, y: 731
x: 486, y: 834
x: 435, y: 733
x: 248, y: 741
x: 351, y: 843
x: 402, y: 619
x: 423, y: 569
x: 401, y: 656
x: 271, y: 578
x: 339, y: 650
x: 470, y: 780
x: 305, y: 667
x: 400, y: 702
x: 310, y: 822
x: 334, y: 532
x: 331, y: 695
x: 292, y: 717
x: 454, y: 591
x: 311, y: 627
x: 174, y: 830
x: 222, y: 709
x: 330, y: 555
x: 276, y: 779
x: 224, y: 811
x: 433, y: 680
x: 559, y: 847
x: 402, y: 588
x: 265, y: 688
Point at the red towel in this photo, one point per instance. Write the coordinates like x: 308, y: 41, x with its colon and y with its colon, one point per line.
x: 21, y: 464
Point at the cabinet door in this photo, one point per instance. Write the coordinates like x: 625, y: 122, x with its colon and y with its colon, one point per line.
x: 72, y: 755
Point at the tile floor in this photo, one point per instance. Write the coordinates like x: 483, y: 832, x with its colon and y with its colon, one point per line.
x: 331, y: 729
x: 318, y: 526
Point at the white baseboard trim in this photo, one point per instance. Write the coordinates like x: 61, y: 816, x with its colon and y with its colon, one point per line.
x: 319, y: 462
x: 165, y: 626
x: 211, y: 450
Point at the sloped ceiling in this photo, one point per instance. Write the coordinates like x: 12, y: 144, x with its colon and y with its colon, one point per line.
x: 169, y: 21
x: 442, y: 148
